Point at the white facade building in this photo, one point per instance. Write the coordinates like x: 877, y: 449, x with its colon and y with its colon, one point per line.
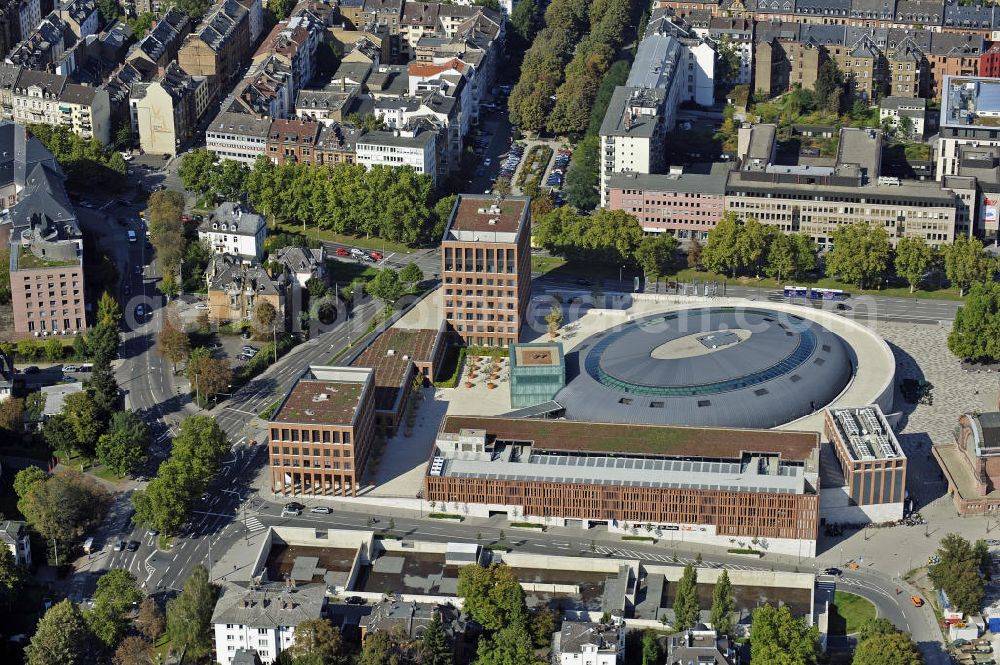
x: 263, y: 618
x: 237, y: 136
x: 582, y: 643
x: 401, y: 147
x: 235, y: 229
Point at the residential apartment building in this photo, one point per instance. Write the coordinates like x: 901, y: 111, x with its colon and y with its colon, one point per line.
x: 236, y: 287
x: 50, y: 99
x: 46, y: 246
x: 400, y: 147
x: 237, y: 136
x: 160, y: 45
x: 894, y: 109
x: 294, y: 142
x: 14, y: 535
x: 687, y: 202
x: 219, y: 46
x: 168, y: 109
x: 262, y: 618
x: 671, y: 66
x: 322, y: 432
x: 234, y: 229
x: 873, y: 464
x: 701, y: 645
x: 486, y: 268
x: 818, y: 198
x: 584, y: 643
x: 328, y: 105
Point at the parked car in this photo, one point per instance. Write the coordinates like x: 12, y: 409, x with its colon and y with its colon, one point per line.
x: 342, y: 252
x: 356, y: 252
x: 70, y: 368
x: 120, y: 545
x: 833, y: 571
x: 68, y: 379
x: 376, y: 255
x: 133, y: 545
x: 917, y: 601
x: 201, y: 305
x: 323, y: 510
x: 355, y: 600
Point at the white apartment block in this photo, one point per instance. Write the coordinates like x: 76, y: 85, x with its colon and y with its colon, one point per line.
x: 235, y: 229
x: 582, y: 643
x: 263, y: 618
x: 237, y: 136
x: 15, y: 536
x: 401, y: 147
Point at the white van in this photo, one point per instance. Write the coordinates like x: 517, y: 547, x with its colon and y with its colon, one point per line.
x: 88, y: 546
x: 131, y: 235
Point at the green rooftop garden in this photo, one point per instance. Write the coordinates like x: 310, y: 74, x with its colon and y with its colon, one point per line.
x: 28, y: 261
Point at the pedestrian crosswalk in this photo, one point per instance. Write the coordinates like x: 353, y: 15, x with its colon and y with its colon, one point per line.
x: 623, y: 553
x: 254, y: 525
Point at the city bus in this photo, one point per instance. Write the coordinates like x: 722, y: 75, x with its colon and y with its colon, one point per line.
x: 796, y: 292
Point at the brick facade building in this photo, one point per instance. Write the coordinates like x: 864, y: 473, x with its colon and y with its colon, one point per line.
x: 486, y: 267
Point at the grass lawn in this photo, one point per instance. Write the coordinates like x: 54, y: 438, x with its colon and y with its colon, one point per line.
x: 26, y: 261
x: 555, y: 266
x: 345, y: 272
x: 105, y: 473
x: 356, y: 241
x: 849, y: 613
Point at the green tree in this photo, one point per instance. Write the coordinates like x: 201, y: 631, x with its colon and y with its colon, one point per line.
x: 195, y: 170
x: 727, y: 67
x: 686, y: 607
x: 85, y: 417
x: 103, y: 342
x: 25, y: 480
x: 125, y: 445
x: 650, y: 648
x: 61, y: 638
x: 318, y: 640
x: 12, y: 416
x: 805, y: 254
x: 583, y: 175
x: 62, y: 507
x: 53, y: 349
x: 723, y: 605
x: 385, y: 286
x: 829, y: 86
x: 780, y: 257
x: 59, y: 434
x: 315, y: 288
x: 493, y: 596
x: 752, y: 244
x: 173, y: 344
x: 189, y: 614
x: 695, y: 252
x: 12, y: 578
x: 526, y: 20
x: 913, y: 257
x: 195, y: 457
x: 778, y: 637
x: 209, y: 376
x: 656, y: 254
x: 265, y: 316
x: 104, y: 388
x: 411, y: 274
x: 385, y: 647
x: 975, y: 333
x: 959, y: 573
x: 965, y: 262
x: 543, y: 624
x: 860, y: 254
x: 721, y: 253
x: 116, y: 592
x: 141, y: 24
x: 229, y: 178
x: 434, y: 649
x: 166, y: 229
x: 880, y: 643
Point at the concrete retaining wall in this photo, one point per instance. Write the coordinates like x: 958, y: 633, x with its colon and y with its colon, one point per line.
x: 424, y: 546
x: 585, y: 564
x: 550, y: 588
x: 306, y: 537
x: 764, y: 578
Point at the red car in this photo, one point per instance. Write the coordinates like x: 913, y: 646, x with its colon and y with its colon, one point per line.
x: 375, y: 255
x: 342, y: 252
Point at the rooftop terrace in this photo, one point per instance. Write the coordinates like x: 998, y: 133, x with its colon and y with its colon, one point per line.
x: 325, y: 396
